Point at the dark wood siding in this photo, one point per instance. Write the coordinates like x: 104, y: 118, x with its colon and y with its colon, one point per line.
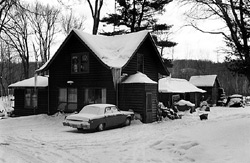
x: 152, y: 63
x: 19, y: 102
x: 99, y: 75
x: 153, y: 88
x: 42, y: 104
x: 133, y: 96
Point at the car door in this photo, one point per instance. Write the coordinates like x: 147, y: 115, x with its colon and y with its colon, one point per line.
x: 110, y: 117
x: 119, y: 118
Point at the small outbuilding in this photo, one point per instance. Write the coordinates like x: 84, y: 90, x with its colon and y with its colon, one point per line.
x: 139, y: 93
x: 210, y: 84
x: 31, y: 96
x: 172, y: 88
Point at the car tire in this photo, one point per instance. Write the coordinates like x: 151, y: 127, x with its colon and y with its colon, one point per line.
x: 101, y: 127
x: 128, y: 122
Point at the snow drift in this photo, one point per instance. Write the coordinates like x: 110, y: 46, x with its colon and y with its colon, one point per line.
x: 223, y: 138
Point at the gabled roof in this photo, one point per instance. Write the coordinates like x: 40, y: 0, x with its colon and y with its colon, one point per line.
x: 139, y: 78
x: 41, y: 81
x: 113, y: 51
x: 174, y: 85
x: 203, y: 80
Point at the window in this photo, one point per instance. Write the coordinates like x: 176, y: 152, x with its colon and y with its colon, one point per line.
x: 94, y: 95
x: 67, y: 99
x: 80, y: 63
x: 109, y: 110
x: 140, y: 62
x: 30, y: 98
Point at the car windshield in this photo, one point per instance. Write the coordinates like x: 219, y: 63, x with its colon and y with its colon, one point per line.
x: 92, y: 110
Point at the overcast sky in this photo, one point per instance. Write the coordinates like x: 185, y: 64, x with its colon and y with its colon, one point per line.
x: 192, y: 44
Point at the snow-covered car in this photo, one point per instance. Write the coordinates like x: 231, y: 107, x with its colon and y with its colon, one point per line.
x: 235, y: 100
x: 183, y: 105
x: 99, y: 117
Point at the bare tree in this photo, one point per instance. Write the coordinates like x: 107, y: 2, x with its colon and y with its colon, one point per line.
x: 70, y: 22
x: 5, y: 7
x: 95, y: 11
x: 95, y: 8
x: 43, y: 22
x: 8, y: 71
x: 236, y: 17
x: 17, y: 35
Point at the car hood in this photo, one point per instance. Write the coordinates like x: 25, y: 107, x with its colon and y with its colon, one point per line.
x: 83, y: 117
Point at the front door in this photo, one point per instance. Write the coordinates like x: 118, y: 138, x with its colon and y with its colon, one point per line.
x: 148, y: 118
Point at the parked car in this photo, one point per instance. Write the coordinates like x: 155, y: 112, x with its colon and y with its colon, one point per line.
x: 99, y: 117
x: 183, y: 105
x: 248, y: 100
x: 235, y: 100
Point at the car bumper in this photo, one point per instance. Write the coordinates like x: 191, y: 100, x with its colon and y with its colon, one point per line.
x: 75, y: 124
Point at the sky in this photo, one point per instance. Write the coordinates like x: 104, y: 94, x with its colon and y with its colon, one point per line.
x: 192, y: 44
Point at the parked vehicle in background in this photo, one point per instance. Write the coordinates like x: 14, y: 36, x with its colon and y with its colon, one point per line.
x: 248, y: 100
x: 235, y: 100
x: 183, y: 105
x: 99, y: 117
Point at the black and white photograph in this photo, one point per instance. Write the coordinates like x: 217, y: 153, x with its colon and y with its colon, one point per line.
x: 124, y: 81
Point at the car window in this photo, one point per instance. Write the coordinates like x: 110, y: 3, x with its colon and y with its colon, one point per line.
x: 108, y: 110
x: 114, y: 109
x: 92, y: 110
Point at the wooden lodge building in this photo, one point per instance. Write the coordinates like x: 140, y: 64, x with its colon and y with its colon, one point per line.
x: 172, y: 89
x: 211, y: 84
x: 31, y: 96
x: 90, y: 69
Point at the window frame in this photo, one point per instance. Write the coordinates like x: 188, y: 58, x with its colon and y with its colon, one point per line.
x: 68, y: 101
x: 80, y: 62
x: 140, y: 62
x: 93, y: 101
x: 33, y: 98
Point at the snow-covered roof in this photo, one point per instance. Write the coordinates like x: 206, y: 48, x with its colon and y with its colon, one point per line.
x: 116, y: 50
x: 203, y: 80
x: 139, y: 78
x: 174, y: 85
x: 40, y: 82
x: 113, y: 51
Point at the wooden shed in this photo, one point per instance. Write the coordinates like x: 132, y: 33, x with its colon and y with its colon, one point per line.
x: 139, y: 93
x: 169, y: 88
x: 210, y: 84
x: 31, y: 96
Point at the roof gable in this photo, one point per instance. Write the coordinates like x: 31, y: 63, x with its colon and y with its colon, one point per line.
x: 203, y: 80
x: 112, y: 51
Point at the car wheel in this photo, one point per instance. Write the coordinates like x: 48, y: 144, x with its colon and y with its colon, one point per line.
x: 128, y: 122
x: 101, y: 127
x: 79, y: 129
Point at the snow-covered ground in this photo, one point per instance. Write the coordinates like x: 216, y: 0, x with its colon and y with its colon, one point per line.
x: 223, y: 138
